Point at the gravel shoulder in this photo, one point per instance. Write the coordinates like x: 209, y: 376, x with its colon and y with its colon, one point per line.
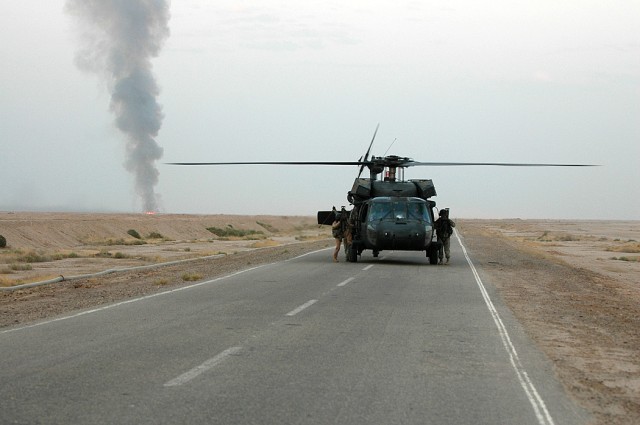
x: 566, y: 284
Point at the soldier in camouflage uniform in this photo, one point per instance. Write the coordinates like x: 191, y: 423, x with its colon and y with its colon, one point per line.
x: 444, y: 229
x: 340, y: 230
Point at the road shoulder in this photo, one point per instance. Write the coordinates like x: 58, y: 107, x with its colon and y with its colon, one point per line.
x: 586, y: 323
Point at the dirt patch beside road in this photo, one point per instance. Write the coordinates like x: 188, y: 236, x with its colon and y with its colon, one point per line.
x: 577, y: 293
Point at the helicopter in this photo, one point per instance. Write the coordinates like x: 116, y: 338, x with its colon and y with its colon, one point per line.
x: 389, y: 212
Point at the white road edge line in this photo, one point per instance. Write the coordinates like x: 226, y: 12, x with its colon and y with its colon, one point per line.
x: 368, y: 267
x: 302, y: 307
x: 198, y: 370
x: 346, y: 281
x: 539, y: 407
x: 308, y: 253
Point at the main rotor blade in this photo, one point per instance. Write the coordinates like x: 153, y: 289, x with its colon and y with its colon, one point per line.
x: 270, y: 163
x: 402, y: 164
x: 366, y: 156
x: 498, y: 164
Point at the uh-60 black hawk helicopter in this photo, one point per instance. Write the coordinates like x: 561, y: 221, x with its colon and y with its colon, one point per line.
x: 388, y: 213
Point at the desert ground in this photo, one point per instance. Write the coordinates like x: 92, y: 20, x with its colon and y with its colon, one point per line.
x: 574, y: 285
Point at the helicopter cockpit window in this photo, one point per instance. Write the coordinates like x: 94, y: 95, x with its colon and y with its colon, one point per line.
x: 398, y: 211
x: 380, y: 211
x: 417, y: 211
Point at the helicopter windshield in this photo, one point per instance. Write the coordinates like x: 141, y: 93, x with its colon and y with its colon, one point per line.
x: 398, y: 210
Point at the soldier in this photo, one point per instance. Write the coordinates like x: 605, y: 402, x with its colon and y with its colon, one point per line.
x: 340, y: 230
x: 337, y: 235
x: 444, y: 229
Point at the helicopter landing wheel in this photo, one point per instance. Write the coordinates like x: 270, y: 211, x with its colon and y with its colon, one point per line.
x: 432, y: 254
x: 352, y: 254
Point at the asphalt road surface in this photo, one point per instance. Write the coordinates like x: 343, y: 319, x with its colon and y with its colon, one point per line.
x: 388, y: 340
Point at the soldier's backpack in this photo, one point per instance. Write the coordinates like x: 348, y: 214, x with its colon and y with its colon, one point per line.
x: 336, y: 229
x: 443, y: 228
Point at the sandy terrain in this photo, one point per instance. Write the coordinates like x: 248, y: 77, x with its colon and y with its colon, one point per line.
x: 85, y: 243
x: 575, y: 286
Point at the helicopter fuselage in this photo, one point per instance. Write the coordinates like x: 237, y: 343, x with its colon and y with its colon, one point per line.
x: 392, y: 223
x: 395, y: 223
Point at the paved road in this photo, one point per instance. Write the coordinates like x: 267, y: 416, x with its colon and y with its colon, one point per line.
x: 387, y: 341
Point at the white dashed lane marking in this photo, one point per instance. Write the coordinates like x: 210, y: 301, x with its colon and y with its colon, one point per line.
x: 346, y: 281
x: 198, y: 370
x: 302, y: 307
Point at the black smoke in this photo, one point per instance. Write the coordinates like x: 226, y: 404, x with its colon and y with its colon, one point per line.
x: 119, y: 39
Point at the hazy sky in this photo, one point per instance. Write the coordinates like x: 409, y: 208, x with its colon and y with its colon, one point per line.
x: 269, y: 80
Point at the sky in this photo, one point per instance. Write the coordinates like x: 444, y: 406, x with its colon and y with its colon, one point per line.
x: 290, y: 80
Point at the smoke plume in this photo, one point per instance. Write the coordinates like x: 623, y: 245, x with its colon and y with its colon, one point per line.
x: 120, y: 37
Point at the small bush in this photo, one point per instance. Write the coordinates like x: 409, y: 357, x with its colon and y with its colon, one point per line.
x: 191, y: 277
x: 265, y: 243
x: 103, y: 254
x: 62, y: 256
x: 133, y: 233
x: 120, y: 241
x: 544, y: 237
x: 633, y: 259
x: 562, y: 237
x: 3, y: 242
x: 155, y: 235
x: 33, y: 257
x: 136, y: 242
x: 631, y: 248
x: 237, y: 233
